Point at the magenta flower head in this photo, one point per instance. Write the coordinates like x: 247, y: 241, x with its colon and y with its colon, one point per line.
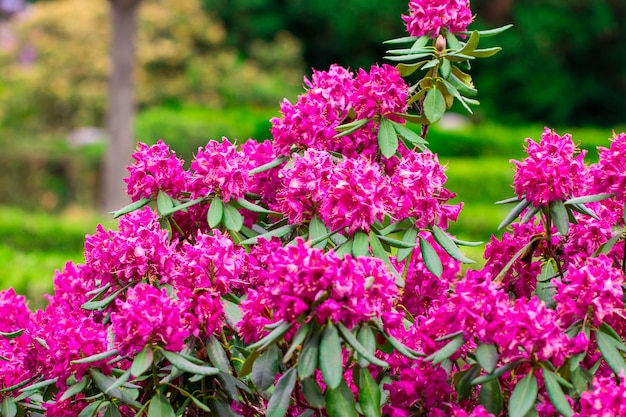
x: 220, y: 168
x: 609, y: 174
x: 156, y: 168
x: 554, y: 170
x: 607, y: 398
x: 147, y: 316
x: 14, y: 311
x: 429, y: 17
x: 381, y: 91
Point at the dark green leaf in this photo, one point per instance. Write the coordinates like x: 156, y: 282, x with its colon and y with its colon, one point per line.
x: 97, y: 305
x: 463, y: 381
x: 160, y: 407
x: 445, y: 68
x: 121, y: 380
x: 448, y: 245
x: 104, y: 384
x: 369, y: 394
x: 278, y: 232
x: 582, y: 209
x: 397, y: 243
x: 496, y: 374
x: 413, y: 118
x: 487, y: 357
x: 233, y: 220
x: 317, y: 231
x: 164, y: 202
x: 434, y: 105
x: 465, y: 243
x: 308, y: 360
x: 92, y: 409
x: 280, y: 330
x: 217, y: 354
x: 610, y: 353
x: 266, y: 167
x: 232, y: 313
x: 265, y: 368
x: 408, y: 134
x: 12, y: 335
x: 185, y: 365
x: 142, y: 361
x: 112, y: 411
x: 97, y: 357
x: 532, y: 210
x: 544, y: 289
x: 514, y: 214
x: 360, y: 244
x: 366, y: 338
x: 431, y: 258
x: 409, y: 237
x: 490, y: 397
x: 330, y: 357
x: 609, y: 244
x: 74, y: 389
x: 556, y: 394
x: 514, y: 199
x: 387, y: 138
x: 297, y: 340
x: 351, y: 127
x: 340, y: 401
x: 448, y: 350
x: 523, y: 397
x: 182, y: 206
x: 397, y: 345
x: 255, y: 208
x: 560, y: 219
x: 279, y: 402
x: 131, y: 207
x: 38, y: 385
x: 313, y: 393
x: 359, y: 348
x: 215, y: 213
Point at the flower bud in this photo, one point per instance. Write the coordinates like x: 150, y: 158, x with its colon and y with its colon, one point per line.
x: 440, y: 44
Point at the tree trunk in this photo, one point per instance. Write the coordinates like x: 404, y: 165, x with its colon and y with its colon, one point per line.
x: 121, y: 111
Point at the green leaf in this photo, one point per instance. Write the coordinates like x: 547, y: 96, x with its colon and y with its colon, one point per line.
x: 523, y: 397
x: 278, y: 232
x: 351, y: 127
x: 308, y: 359
x: 232, y: 313
x: 97, y: 305
x: 431, y: 258
x: 160, y: 407
x: 278, y: 332
x: 255, y: 208
x: 266, y: 167
x: 448, y: 245
x: 217, y: 354
x: 313, y: 393
x: 215, y: 213
x: 452, y: 41
x: 487, y: 357
x: 104, y: 384
x: 408, y: 134
x: 330, y: 357
x: 490, y: 32
x: 513, y: 214
x: 434, y: 105
x: 589, y: 198
x: 397, y: 345
x: 544, y: 289
x: 471, y: 43
x: 92, y: 409
x: 609, y: 244
x: 112, y: 411
x: 131, y: 207
x: 181, y: 206
x: 121, y: 380
x: 279, y: 402
x: 38, y: 385
x: 514, y: 199
x: 560, y: 218
x: 358, y: 347
x: 317, y: 230
x: 164, y: 202
x: 409, y: 237
x: 369, y: 394
x: 405, y: 39
x: 387, y: 138
x: 485, y: 53
x: 97, y: 357
x: 445, y: 68
x: 497, y: 373
x: 397, y: 243
x: 12, y: 335
x: 142, y: 361
x: 265, y: 368
x: 448, y: 350
x: 185, y: 365
x: 74, y: 389
x: 360, y: 244
x: 610, y: 353
x: 532, y: 210
x: 340, y: 401
x: 9, y: 409
x: 407, y: 69
x: 490, y: 397
x: 379, y: 252
x: 582, y: 209
x: 556, y: 393
x: 463, y: 381
x: 297, y: 340
x: 413, y: 118
x: 233, y: 220
x: 366, y: 338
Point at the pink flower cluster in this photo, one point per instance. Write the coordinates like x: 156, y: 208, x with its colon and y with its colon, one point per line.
x: 311, y: 122
x: 609, y: 175
x: 431, y: 17
x: 607, y: 398
x: 553, y: 170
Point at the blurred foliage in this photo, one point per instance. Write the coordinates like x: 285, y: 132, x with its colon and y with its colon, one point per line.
x: 56, y: 73
x: 562, y: 63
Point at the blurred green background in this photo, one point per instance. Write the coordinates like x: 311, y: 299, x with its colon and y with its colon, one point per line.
x: 213, y: 68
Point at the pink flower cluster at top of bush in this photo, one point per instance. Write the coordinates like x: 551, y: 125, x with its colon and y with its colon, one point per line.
x: 553, y: 170
x: 609, y: 175
x: 429, y: 17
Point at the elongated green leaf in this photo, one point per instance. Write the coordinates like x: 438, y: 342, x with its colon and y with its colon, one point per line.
x: 313, y: 393
x: 330, y: 357
x: 38, y: 385
x: 610, y: 353
x: 183, y: 206
x: 448, y: 245
x: 142, y: 361
x: 463, y: 381
x: 297, y: 340
x: 215, y: 213
x: 265, y: 368
x: 358, y: 347
x: 514, y: 213
x: 74, y: 389
x: 434, y: 105
x: 496, y: 374
x: 351, y: 127
x: 491, y: 32
x: 560, y: 217
x: 485, y: 53
x: 487, y: 357
x: 532, y: 210
x: 160, y: 407
x: 308, y: 360
x: 448, y: 350
x: 164, y: 202
x: 471, y: 43
x: 97, y: 305
x: 408, y: 134
x: 278, y: 232
x: 369, y: 394
x: 97, y: 357
x: 360, y: 244
x: 9, y: 409
x: 465, y: 242
x: 397, y: 243
x: 387, y: 138
x: 233, y: 220
x: 490, y: 397
x: 92, y: 409
x: 582, y: 209
x: 413, y: 118
x: 317, y: 231
x: 514, y: 199
x: 12, y: 335
x: 410, y: 238
x: 279, y: 402
x: 104, y: 383
x: 112, y: 411
x: 121, y: 380
x: 217, y: 354
x: 183, y: 364
x: 431, y: 258
x: 278, y: 332
x: 340, y: 401
x: 589, y: 198
x: 405, y: 39
x: 523, y: 397
x: 556, y: 393
x: 131, y: 207
x: 266, y: 167
x: 407, y: 69
x: 232, y: 313
x: 255, y: 208
x: 397, y: 345
x: 246, y: 368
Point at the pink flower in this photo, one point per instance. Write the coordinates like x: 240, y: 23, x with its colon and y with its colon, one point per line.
x: 594, y: 289
x: 148, y: 316
x: 220, y: 168
x: 14, y: 311
x: 379, y: 92
x: 71, y: 286
x: 429, y: 17
x: 156, y: 168
x: 552, y: 170
x: 609, y: 174
x: 606, y: 398
x: 267, y: 182
x: 358, y: 195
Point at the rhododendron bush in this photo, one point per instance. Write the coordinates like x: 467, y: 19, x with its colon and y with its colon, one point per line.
x: 313, y: 274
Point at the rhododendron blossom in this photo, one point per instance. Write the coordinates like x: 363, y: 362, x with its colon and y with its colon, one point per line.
x: 429, y: 17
